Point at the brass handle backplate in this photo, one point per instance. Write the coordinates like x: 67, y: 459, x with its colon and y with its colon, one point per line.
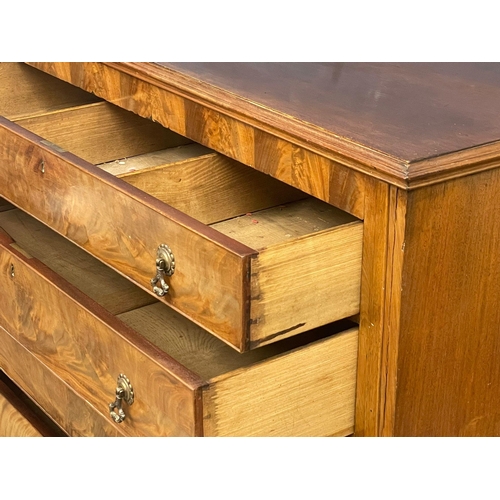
x: 124, y: 392
x: 165, y: 266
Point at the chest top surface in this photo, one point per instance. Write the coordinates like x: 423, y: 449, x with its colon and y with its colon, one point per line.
x: 408, y: 110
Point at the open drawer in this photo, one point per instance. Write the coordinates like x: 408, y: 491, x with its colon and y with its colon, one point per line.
x: 243, y: 255
x: 185, y: 382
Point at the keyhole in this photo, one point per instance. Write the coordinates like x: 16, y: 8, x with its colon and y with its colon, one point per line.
x: 42, y: 166
x: 12, y: 272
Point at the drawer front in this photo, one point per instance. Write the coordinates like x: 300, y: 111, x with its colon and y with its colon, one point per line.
x: 20, y: 416
x: 123, y: 227
x: 87, y: 348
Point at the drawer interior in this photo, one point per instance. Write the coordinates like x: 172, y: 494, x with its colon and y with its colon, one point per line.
x: 297, y: 249
x: 25, y: 91
x: 318, y: 357
x: 187, y: 176
x: 190, y: 177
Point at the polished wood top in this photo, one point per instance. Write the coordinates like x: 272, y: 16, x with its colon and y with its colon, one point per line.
x: 411, y: 111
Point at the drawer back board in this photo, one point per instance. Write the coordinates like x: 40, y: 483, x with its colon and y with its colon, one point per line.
x: 255, y: 260
x: 21, y: 417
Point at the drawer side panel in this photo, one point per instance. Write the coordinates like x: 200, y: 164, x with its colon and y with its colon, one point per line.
x: 307, y: 283
x: 307, y: 392
x: 25, y: 91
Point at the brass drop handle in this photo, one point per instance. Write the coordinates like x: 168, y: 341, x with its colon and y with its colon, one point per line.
x: 165, y: 266
x: 124, y: 392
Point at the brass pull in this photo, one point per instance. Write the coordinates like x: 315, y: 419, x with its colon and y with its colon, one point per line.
x: 165, y: 266
x: 124, y: 392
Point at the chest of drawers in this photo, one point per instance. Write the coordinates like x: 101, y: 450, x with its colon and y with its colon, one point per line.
x: 252, y: 212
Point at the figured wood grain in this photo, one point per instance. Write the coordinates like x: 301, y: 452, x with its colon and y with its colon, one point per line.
x: 129, y: 93
x: 13, y: 423
x: 220, y: 132
x: 292, y: 160
x: 25, y: 91
x: 20, y: 416
x: 124, y: 228
x: 135, y: 164
x: 88, y: 348
x: 106, y: 287
x: 307, y: 392
x: 448, y: 372
x: 324, y: 178
x: 69, y: 410
x: 101, y: 132
x: 212, y: 187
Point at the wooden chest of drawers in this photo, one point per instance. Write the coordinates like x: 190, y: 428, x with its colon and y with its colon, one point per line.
x: 207, y: 267
x: 247, y: 259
